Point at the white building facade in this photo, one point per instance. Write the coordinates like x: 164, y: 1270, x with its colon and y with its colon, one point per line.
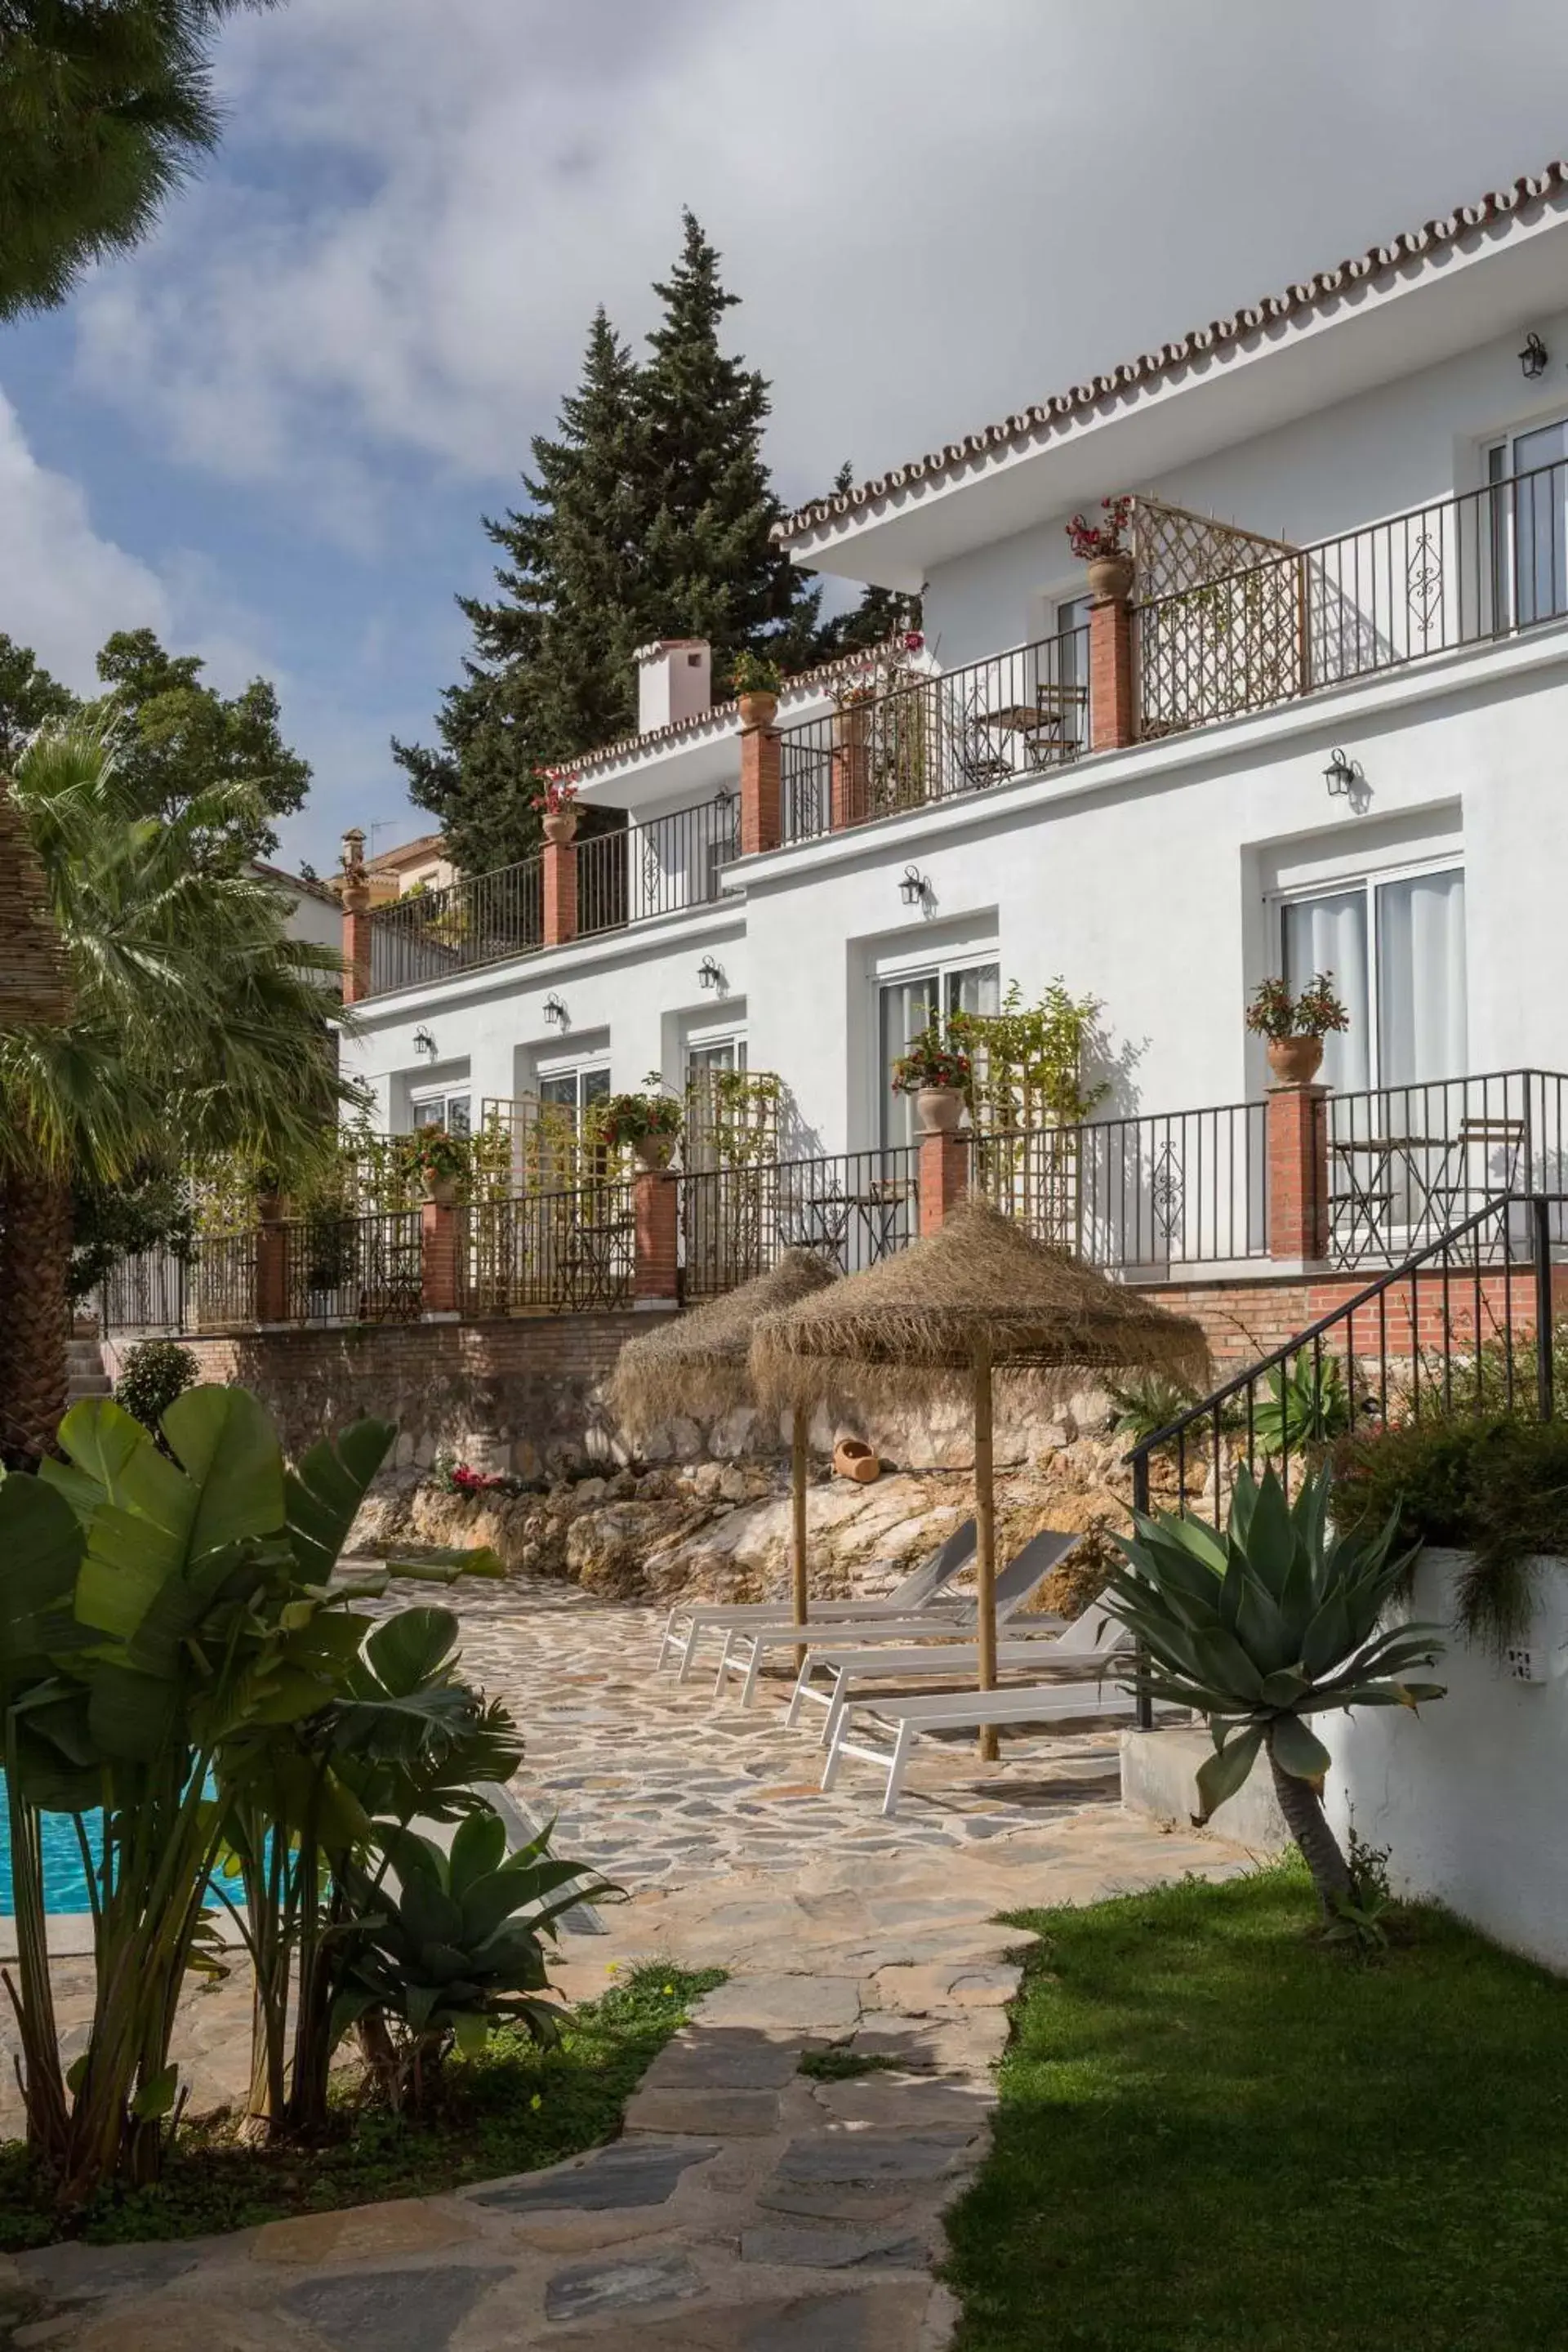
x: 1326, y: 730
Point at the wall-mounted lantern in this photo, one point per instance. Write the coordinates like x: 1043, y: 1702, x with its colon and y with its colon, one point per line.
x: 913, y: 887
x: 1533, y: 357
x: 554, y: 1012
x: 424, y: 1042
x: 709, y: 974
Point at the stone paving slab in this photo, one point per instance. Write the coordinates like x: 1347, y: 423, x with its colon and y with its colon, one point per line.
x: 749, y: 2208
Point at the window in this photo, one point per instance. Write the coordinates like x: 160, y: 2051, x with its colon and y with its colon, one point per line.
x: 1395, y: 947
x: 575, y: 1088
x: 907, y: 1005
x: 716, y: 1053
x: 1527, y: 475
x: 441, y: 1109
x: 571, y: 1091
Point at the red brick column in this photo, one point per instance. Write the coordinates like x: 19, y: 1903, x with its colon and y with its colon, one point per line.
x: 944, y: 1178
x: 1298, y: 1173
x: 1112, y: 691
x: 849, y: 788
x: 355, y: 898
x: 761, y: 766
x: 440, y: 1261
x: 559, y: 893
x: 656, y: 1266
x: 271, y: 1272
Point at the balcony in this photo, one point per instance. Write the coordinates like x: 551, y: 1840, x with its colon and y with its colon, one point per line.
x: 664, y: 865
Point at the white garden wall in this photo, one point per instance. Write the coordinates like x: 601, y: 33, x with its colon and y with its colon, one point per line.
x: 1470, y: 1796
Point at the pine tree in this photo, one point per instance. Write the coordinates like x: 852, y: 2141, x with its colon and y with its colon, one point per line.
x: 552, y: 673
x: 710, y: 567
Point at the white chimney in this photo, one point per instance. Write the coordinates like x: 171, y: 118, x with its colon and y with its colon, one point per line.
x: 675, y: 681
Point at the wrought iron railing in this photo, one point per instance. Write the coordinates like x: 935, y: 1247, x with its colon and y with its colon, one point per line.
x: 1464, y: 1324
x: 1180, y: 1187
x: 1408, y: 1163
x: 343, y: 1268
x: 428, y: 935
x: 659, y: 866
x: 1483, y: 565
x: 853, y: 1208
x: 930, y: 737
x: 555, y: 1251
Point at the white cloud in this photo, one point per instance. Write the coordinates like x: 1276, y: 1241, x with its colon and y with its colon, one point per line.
x: 62, y: 586
x: 935, y: 212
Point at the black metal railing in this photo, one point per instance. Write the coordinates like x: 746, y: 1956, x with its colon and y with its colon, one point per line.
x: 1464, y: 1324
x: 1485, y: 564
x: 343, y: 1268
x: 853, y: 1208
x: 928, y: 737
x: 428, y: 935
x: 1408, y: 1163
x: 1147, y: 1194
x: 660, y: 867
x: 552, y: 1250
x: 149, y: 1293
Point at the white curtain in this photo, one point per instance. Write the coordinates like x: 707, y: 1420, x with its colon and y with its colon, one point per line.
x: 1421, y: 979
x: 907, y: 1007
x: 1329, y: 935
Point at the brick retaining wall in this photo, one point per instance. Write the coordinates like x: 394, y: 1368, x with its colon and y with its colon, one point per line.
x: 1244, y: 1320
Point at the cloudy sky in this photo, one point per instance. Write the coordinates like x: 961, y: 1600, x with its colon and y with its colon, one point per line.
x: 272, y: 432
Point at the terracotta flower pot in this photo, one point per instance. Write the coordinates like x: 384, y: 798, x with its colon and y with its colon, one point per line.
x: 1295, y: 1061
x: 758, y: 708
x: 442, y: 1190
x: 653, y: 1150
x: 269, y: 1207
x: 1110, y: 576
x: 559, y: 826
x: 939, y: 1109
x: 853, y: 1458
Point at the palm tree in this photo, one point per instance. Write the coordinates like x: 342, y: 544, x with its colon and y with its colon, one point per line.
x: 198, y: 1028
x: 103, y: 112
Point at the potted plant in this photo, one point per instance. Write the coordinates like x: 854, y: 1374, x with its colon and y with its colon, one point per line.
x: 442, y: 1162
x: 1295, y: 1026
x: 937, y: 1074
x: 757, y: 683
x: 1099, y: 546
x: 650, y: 1123
x: 557, y: 805
x: 269, y: 1187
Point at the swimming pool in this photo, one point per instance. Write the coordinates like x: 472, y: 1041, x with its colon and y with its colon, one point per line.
x: 65, y: 1878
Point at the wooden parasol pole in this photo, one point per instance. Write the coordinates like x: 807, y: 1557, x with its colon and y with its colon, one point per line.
x: 797, y: 1470
x: 985, y: 1541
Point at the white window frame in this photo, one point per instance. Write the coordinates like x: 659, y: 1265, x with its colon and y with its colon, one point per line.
x: 889, y: 971
x: 1368, y: 880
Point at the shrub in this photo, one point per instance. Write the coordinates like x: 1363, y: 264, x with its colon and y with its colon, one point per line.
x: 156, y: 1372
x: 1493, y: 1485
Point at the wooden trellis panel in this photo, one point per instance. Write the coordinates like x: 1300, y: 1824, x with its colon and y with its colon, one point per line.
x: 1222, y: 618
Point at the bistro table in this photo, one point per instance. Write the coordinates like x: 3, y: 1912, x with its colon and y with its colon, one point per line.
x: 1371, y: 1194
x: 1048, y: 727
x: 823, y: 1221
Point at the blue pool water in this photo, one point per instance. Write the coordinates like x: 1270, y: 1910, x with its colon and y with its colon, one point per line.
x: 65, y: 1879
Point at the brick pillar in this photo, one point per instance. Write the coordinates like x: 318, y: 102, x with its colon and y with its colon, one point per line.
x: 656, y: 1266
x: 356, y: 896
x: 440, y: 1260
x: 944, y: 1178
x: 559, y: 893
x: 761, y: 826
x: 849, y: 786
x: 271, y: 1272
x: 1113, y: 695
x: 1298, y: 1173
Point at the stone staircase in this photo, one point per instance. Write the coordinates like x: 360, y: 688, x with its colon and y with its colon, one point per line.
x: 84, y: 1360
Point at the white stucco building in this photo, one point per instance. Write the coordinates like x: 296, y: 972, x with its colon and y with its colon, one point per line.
x: 1328, y: 731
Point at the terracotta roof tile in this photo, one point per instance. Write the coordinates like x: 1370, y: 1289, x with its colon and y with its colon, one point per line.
x: 1218, y: 335
x: 610, y: 755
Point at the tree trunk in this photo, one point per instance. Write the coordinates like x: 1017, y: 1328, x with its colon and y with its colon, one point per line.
x: 35, y: 1273
x: 1308, y: 1824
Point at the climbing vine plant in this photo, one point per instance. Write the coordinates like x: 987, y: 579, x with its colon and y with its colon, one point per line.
x: 1031, y: 1062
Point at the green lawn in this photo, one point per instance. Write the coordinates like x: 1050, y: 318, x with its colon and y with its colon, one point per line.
x: 514, y: 2109
x: 1216, y: 2133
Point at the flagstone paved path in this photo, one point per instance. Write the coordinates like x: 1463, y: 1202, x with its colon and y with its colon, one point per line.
x: 748, y: 2208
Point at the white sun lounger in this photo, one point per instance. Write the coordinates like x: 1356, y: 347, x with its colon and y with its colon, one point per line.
x: 844, y: 1671
x: 689, y: 1620
x: 1088, y: 1653
x: 746, y: 1647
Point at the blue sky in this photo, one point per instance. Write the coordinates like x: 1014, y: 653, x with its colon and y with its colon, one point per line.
x: 271, y: 433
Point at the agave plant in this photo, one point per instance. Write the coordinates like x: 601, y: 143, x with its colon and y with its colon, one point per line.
x: 450, y: 1945
x: 1277, y: 1620
x: 1306, y: 1405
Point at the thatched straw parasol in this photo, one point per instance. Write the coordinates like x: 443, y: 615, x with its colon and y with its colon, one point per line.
x: 33, y: 983
x: 700, y: 1363
x: 975, y: 1295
